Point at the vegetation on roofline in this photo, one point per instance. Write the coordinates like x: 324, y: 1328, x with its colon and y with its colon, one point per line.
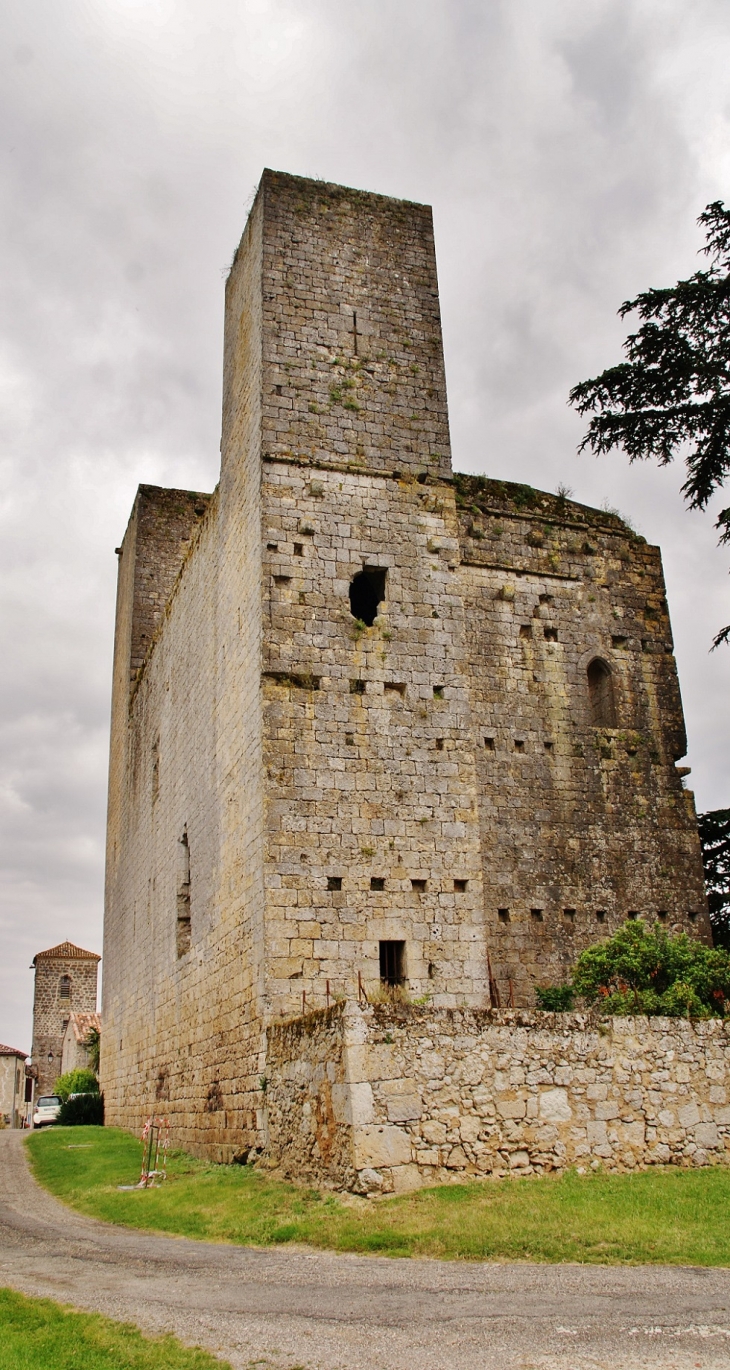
x: 640, y: 970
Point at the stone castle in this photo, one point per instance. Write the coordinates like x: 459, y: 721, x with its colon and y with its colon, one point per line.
x: 378, y: 729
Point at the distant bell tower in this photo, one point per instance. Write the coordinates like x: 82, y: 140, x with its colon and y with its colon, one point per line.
x: 65, y: 982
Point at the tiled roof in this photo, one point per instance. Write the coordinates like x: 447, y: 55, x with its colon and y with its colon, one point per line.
x: 82, y: 1023
x: 66, y: 951
x: 10, y: 1051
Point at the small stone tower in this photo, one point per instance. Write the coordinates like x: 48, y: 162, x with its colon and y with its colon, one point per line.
x: 65, y: 982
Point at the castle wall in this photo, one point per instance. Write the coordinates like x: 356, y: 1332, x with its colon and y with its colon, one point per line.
x: 581, y: 825
x: 181, y: 1004
x: 292, y: 785
x: 429, y: 1096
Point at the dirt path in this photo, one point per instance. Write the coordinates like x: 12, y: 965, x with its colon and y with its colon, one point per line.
x: 287, y: 1308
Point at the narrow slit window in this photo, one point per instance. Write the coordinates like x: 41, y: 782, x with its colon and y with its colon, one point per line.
x: 601, y: 694
x: 393, y: 963
x: 183, y: 895
x: 367, y: 592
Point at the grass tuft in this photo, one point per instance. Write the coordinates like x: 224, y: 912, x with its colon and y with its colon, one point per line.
x: 38, y: 1334
x: 671, y: 1216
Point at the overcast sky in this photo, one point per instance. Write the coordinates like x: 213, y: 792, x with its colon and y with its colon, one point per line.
x: 567, y: 147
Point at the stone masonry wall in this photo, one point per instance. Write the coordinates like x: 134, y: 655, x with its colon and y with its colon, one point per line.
x: 51, y: 1013
x: 435, y: 1096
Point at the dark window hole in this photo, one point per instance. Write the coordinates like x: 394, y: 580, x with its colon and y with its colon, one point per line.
x: 632, y: 915
x: 349, y: 739
x: 438, y: 691
x: 601, y: 694
x: 418, y: 885
x: 548, y: 746
x: 367, y: 591
x: 525, y: 630
x: 600, y: 915
x: 662, y: 915
x: 299, y: 549
x: 551, y: 634
x: 536, y: 914
x: 569, y: 915
x: 394, y: 687
x: 489, y: 744
x: 503, y: 915
x: 692, y: 915
x: 439, y: 744
x: 357, y: 687
x: 519, y: 744
x: 377, y: 882
x: 393, y: 963
x: 334, y: 882
x: 272, y: 546
x: 460, y: 886
x: 282, y: 580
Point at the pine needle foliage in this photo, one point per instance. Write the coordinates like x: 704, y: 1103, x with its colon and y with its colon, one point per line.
x: 714, y: 830
x: 673, y: 391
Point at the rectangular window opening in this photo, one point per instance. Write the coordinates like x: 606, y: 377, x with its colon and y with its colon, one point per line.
x: 183, y: 895
x: 548, y: 746
x: 394, y: 686
x: 526, y: 630
x: 662, y: 915
x: 357, y: 687
x: 519, y: 744
x: 536, y: 915
x: 299, y: 549
x: 439, y: 744
x: 460, y: 886
x: 377, y: 882
x: 418, y: 885
x: 632, y: 915
x: 438, y: 691
x: 692, y: 915
x: 334, y: 882
x: 503, y: 915
x: 569, y: 915
x: 600, y: 915
x: 393, y: 963
x: 551, y: 634
x: 489, y: 744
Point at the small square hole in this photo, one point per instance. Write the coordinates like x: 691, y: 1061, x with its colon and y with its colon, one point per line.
x: 569, y: 915
x: 549, y: 746
x: 551, y: 634
x: 619, y: 641
x: 460, y: 886
x: 503, y: 915
x: 439, y: 744
x: 282, y: 580
x: 632, y: 915
x: 489, y: 744
x: 334, y: 882
x: 418, y: 885
x: 536, y: 914
x: 519, y: 744
x: 349, y: 739
x: 692, y: 915
x: 272, y: 546
x: 299, y: 549
x: 357, y: 687
x: 662, y: 915
x: 438, y: 691
x: 600, y: 915
x: 526, y: 630
x: 377, y: 882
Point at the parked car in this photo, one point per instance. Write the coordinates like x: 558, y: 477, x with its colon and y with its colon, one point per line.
x: 46, y: 1110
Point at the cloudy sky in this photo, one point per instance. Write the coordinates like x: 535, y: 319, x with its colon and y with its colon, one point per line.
x: 567, y: 147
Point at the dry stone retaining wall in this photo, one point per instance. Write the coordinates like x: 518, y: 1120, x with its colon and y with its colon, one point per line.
x: 429, y: 1096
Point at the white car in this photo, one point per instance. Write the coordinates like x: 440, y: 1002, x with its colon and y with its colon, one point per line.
x: 46, y: 1110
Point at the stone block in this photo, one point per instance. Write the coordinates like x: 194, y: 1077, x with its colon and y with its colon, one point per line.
x: 688, y: 1115
x: 381, y: 1145
x: 554, y: 1106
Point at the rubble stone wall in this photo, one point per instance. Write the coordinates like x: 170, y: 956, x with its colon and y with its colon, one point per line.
x: 433, y: 1096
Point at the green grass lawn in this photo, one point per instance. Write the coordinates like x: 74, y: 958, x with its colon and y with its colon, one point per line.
x: 38, y: 1334
x: 676, y: 1217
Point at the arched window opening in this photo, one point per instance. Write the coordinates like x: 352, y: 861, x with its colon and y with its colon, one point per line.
x: 64, y: 987
x: 601, y: 695
x: 367, y: 591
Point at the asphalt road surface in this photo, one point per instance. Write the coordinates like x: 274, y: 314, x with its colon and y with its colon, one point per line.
x: 288, y: 1308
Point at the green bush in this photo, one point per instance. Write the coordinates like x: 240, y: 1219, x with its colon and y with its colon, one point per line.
x: 84, y: 1110
x: 642, y: 971
x: 76, y: 1082
x: 555, y: 998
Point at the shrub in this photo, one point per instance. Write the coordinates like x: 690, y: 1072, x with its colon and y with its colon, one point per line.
x: 76, y: 1082
x: 81, y: 1111
x: 642, y: 971
x: 555, y: 998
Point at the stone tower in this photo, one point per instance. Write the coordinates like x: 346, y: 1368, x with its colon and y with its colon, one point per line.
x: 65, y: 983
x: 374, y: 725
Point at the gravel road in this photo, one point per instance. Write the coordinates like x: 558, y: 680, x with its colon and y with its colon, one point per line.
x: 289, y: 1308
